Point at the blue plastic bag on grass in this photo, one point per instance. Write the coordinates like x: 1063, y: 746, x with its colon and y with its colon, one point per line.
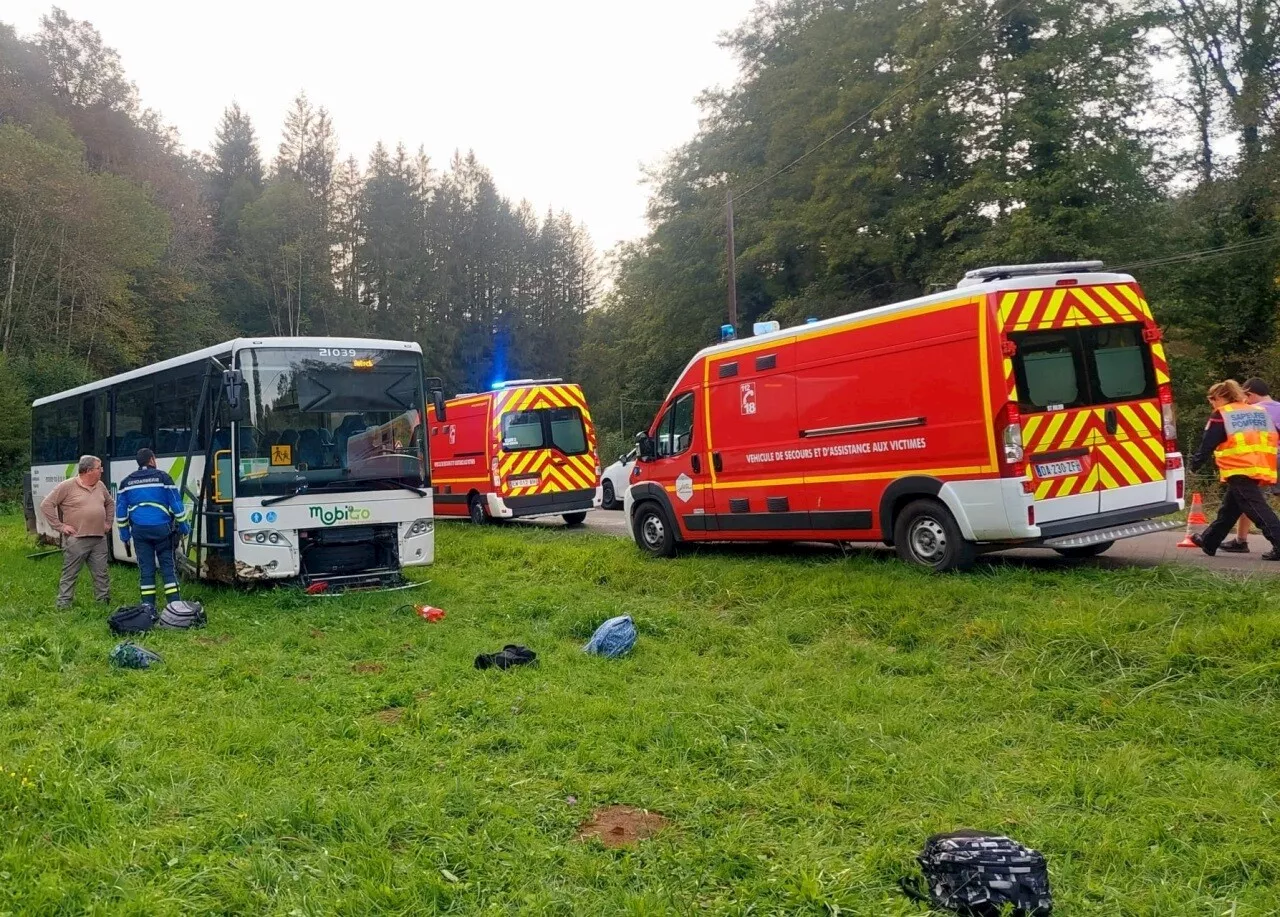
x: 613, y: 638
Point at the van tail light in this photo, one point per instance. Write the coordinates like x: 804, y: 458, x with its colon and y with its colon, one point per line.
x: 493, y: 469
x: 1181, y: 490
x: 1167, y: 418
x: 1012, y: 446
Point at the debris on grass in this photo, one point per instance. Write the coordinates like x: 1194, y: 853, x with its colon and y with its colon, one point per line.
x: 621, y: 826
x: 389, y: 715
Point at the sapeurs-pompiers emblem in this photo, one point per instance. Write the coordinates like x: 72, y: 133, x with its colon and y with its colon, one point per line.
x: 329, y: 515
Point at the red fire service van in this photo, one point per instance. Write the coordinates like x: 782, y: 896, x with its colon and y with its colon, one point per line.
x: 1029, y: 406
x: 526, y: 448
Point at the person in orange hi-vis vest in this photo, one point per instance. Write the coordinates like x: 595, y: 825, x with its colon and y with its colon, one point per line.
x: 1242, y: 441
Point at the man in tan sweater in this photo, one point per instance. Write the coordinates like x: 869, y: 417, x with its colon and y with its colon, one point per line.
x: 81, y: 508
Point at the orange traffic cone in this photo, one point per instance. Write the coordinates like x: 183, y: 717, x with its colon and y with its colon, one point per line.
x: 1196, y: 516
x: 1186, y: 541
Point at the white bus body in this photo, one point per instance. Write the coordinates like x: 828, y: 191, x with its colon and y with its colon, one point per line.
x: 309, y: 460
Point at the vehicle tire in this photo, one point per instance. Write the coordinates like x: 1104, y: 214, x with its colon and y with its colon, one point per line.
x: 608, y: 500
x: 654, y: 532
x: 574, y: 518
x: 476, y: 511
x: 1084, y: 553
x: 925, y: 534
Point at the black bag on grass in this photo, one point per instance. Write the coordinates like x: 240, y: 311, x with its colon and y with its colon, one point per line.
x: 980, y: 875
x: 132, y: 619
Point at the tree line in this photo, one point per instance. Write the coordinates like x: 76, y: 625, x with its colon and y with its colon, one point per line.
x: 878, y: 149
x: 119, y: 248
x: 875, y: 151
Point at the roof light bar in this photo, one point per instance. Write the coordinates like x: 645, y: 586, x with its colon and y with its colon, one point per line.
x: 1001, y: 272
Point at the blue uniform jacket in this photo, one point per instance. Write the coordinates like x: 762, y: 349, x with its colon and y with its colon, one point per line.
x: 148, y: 497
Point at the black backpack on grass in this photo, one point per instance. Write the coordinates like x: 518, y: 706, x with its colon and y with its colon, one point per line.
x: 982, y: 875
x: 132, y: 619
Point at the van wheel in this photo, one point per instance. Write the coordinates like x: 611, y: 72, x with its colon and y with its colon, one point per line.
x: 574, y: 518
x: 1085, y: 552
x: 653, y: 531
x: 608, y: 500
x: 926, y: 534
x: 475, y: 510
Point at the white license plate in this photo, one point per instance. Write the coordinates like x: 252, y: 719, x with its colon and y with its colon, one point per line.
x: 1059, y: 469
x: 523, y: 482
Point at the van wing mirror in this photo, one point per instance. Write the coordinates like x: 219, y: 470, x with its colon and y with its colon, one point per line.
x: 233, y: 392
x: 645, y: 448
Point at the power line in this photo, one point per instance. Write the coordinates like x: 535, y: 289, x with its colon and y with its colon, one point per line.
x: 890, y: 97
x: 1182, y: 257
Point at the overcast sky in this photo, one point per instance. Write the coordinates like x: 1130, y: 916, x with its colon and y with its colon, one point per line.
x: 563, y: 100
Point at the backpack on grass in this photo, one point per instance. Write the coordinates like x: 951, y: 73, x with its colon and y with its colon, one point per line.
x: 183, y: 614
x: 129, y: 655
x: 132, y: 619
x: 982, y: 875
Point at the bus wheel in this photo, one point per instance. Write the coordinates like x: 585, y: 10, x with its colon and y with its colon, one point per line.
x: 926, y: 534
x: 608, y: 500
x: 653, y: 531
x: 475, y: 509
x: 575, y: 518
x: 1084, y: 553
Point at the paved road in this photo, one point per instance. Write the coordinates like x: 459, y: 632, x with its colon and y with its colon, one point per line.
x: 1144, y: 551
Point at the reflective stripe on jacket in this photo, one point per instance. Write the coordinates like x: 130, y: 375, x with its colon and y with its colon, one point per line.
x: 1249, y: 448
x: 148, y: 497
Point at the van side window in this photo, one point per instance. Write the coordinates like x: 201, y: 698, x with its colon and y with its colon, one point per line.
x: 675, y: 429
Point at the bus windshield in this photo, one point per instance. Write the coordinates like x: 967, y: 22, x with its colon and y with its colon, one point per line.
x: 331, y: 418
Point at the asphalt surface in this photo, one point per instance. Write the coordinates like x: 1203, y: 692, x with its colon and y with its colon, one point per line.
x: 1143, y: 551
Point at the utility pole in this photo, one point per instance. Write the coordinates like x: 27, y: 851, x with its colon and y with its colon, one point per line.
x: 733, y: 263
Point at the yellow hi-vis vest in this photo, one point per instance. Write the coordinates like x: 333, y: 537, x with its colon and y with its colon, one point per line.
x: 1250, y: 446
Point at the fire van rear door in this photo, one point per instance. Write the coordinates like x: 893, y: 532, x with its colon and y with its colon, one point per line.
x: 1092, y: 425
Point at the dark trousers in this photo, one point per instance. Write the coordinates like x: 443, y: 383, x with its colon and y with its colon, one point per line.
x: 154, y: 546
x: 1243, y: 498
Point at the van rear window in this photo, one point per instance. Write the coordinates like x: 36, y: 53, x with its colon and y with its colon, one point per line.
x: 561, y: 428
x: 1075, y: 367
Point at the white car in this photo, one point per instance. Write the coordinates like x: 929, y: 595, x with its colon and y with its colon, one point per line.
x: 615, y: 480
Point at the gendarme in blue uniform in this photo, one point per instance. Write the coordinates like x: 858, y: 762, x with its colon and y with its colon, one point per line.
x: 148, y: 508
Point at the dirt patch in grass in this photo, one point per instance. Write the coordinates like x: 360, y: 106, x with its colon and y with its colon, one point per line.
x: 621, y: 826
x: 368, y: 668
x: 317, y: 634
x: 390, y: 715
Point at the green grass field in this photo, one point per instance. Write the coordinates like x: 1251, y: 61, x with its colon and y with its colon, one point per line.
x: 804, y: 720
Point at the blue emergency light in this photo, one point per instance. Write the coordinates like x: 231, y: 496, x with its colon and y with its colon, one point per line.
x: 727, y: 333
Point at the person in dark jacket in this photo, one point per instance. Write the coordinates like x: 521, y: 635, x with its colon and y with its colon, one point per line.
x: 1242, y: 441
x: 148, y: 510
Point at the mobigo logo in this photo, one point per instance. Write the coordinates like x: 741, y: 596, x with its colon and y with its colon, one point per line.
x: 332, y: 514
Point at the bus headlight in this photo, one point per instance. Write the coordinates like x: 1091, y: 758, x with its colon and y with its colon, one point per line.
x: 264, y: 537
x: 421, y: 527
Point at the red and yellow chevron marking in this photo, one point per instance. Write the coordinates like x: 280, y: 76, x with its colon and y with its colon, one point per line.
x: 555, y: 472
x: 1134, y: 454
x: 1072, y: 307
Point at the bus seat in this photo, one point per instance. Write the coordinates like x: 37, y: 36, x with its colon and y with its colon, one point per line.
x: 310, y: 449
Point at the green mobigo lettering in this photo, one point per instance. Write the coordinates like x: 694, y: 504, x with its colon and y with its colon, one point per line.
x: 331, y: 515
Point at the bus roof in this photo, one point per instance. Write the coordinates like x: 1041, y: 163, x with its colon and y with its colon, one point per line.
x: 228, y: 348
x: 970, y: 289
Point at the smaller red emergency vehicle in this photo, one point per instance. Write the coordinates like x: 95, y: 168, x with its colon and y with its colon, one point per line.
x: 1030, y: 406
x: 526, y: 448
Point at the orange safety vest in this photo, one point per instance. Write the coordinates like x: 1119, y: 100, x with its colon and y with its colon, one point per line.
x: 1250, y: 446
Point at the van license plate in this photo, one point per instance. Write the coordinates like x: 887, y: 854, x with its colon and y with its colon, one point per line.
x: 1059, y: 469
x: 523, y: 482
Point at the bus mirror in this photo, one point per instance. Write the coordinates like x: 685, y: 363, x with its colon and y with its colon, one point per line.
x: 437, y: 402
x: 233, y: 391
x: 644, y: 447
